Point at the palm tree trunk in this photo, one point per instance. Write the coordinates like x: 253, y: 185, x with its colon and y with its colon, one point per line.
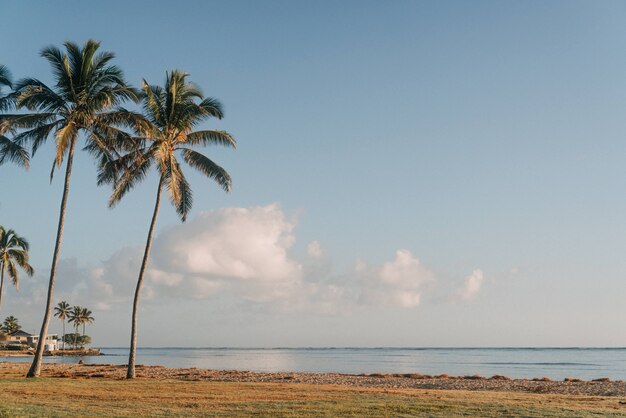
x: 130, y: 374
x: 1, y: 281
x: 35, y: 368
x: 64, y: 333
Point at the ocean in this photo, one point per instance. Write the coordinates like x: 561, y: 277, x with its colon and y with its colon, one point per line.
x: 555, y: 363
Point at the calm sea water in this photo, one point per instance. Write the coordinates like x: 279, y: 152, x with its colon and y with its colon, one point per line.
x: 556, y: 363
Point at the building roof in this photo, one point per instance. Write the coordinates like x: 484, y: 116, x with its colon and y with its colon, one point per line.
x: 20, y: 333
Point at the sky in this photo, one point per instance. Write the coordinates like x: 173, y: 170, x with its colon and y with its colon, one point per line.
x: 408, y: 173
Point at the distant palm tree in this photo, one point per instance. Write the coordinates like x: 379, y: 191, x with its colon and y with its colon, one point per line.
x: 75, y: 317
x: 13, y: 254
x: 8, y: 149
x: 86, y: 318
x: 11, y: 325
x: 87, y: 88
x: 174, y: 111
x: 62, y: 311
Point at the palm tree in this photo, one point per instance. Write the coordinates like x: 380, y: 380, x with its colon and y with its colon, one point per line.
x: 87, y: 88
x: 8, y: 149
x: 75, y: 316
x: 86, y: 318
x: 13, y: 254
x: 173, y: 111
x: 62, y: 311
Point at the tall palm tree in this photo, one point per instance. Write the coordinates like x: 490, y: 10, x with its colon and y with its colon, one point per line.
x: 13, y: 254
x: 62, y: 311
x: 8, y: 149
x: 173, y: 111
x: 87, y: 89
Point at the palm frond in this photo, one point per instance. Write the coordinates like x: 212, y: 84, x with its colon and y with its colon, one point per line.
x: 13, y: 152
x: 207, y: 167
x: 211, y: 138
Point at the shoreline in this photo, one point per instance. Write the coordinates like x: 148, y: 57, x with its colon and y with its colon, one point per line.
x: 496, y: 383
x: 56, y: 353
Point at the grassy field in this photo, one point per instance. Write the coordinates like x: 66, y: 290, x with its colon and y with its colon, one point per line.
x: 150, y: 397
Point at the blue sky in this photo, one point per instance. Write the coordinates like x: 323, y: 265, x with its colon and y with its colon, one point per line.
x: 482, y: 136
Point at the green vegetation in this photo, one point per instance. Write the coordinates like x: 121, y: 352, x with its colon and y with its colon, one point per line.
x: 139, y: 397
x: 172, y: 113
x: 13, y: 254
x: 10, y: 325
x: 76, y: 340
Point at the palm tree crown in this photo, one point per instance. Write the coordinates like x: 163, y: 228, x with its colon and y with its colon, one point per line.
x: 173, y: 112
x: 87, y: 88
x: 13, y: 254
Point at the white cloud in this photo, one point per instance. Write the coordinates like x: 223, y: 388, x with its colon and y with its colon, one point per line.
x: 397, y: 283
x: 472, y: 285
x: 237, y: 243
x: 314, y: 249
x: 245, y: 254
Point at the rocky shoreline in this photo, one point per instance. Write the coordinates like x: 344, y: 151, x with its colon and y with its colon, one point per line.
x: 27, y: 353
x: 598, y: 387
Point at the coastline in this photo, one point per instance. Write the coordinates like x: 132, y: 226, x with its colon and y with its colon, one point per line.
x: 76, y: 353
x: 497, y: 383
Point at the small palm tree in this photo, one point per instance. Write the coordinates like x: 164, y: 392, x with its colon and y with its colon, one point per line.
x: 173, y: 112
x: 86, y: 91
x: 9, y: 150
x: 62, y: 311
x: 75, y: 317
x: 13, y: 254
x: 86, y: 318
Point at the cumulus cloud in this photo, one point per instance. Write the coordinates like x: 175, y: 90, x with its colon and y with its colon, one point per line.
x: 472, y: 285
x: 247, y: 254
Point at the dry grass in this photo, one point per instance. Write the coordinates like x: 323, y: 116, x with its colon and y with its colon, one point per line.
x: 151, y: 397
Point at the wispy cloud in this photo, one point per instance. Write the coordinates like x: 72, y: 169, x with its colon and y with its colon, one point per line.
x: 472, y: 285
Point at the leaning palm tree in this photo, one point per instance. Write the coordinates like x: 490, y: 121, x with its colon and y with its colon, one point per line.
x: 173, y: 111
x: 62, y: 311
x: 13, y: 254
x: 9, y: 150
x: 87, y: 89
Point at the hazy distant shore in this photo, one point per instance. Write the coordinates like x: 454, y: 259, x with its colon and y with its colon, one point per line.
x: 597, y: 387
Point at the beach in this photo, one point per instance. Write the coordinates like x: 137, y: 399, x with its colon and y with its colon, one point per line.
x: 160, y: 391
x: 598, y: 387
